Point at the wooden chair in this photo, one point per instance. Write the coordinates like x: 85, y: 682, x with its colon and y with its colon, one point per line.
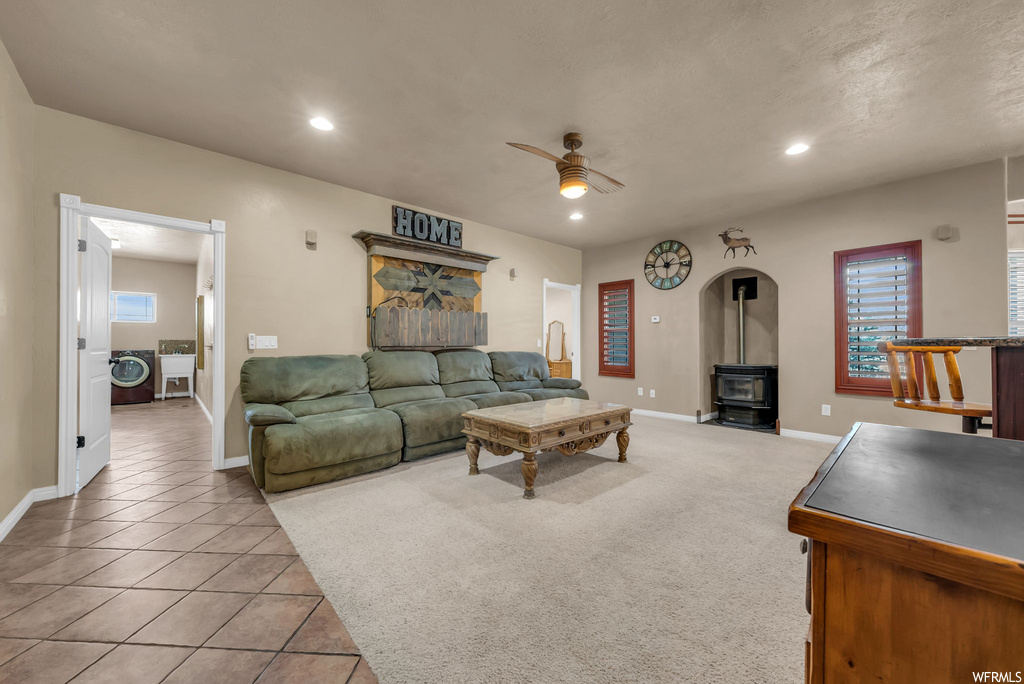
x: 971, y: 414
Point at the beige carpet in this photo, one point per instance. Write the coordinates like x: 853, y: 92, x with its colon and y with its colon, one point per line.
x: 674, y: 567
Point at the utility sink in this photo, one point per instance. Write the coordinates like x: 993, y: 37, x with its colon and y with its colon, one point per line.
x: 177, y: 364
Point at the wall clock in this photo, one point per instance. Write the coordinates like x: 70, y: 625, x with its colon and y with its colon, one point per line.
x: 667, y: 264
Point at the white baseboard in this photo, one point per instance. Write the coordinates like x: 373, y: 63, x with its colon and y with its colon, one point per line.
x: 707, y: 417
x: 236, y: 462
x: 667, y: 416
x: 205, y: 410
x: 812, y: 436
x: 33, y: 495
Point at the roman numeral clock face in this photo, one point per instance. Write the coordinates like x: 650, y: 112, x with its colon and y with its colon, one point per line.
x: 667, y: 265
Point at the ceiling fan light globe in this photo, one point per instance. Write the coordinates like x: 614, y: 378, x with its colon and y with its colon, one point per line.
x: 573, y: 189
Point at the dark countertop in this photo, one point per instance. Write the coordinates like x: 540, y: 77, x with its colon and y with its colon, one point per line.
x: 960, y: 342
x: 955, y: 488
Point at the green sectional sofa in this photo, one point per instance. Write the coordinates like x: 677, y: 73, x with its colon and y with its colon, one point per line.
x: 314, y: 419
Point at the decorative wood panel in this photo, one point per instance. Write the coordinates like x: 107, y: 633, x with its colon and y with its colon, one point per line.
x: 399, y: 327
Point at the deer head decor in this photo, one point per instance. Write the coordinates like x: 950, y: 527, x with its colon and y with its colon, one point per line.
x: 732, y: 243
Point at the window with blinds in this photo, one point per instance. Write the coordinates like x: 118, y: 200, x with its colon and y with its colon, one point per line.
x: 878, y: 298
x: 1016, y: 271
x: 615, y: 328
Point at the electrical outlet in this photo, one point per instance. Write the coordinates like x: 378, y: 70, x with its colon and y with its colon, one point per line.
x: 539, y: 344
x: 639, y: 391
x: 826, y: 409
x: 252, y: 340
x: 652, y: 394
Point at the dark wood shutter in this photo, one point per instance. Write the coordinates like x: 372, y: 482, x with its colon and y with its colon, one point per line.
x: 878, y: 298
x: 615, y: 329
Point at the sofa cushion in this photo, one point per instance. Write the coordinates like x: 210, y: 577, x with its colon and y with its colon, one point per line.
x: 519, y: 370
x: 463, y: 389
x: 339, y: 402
x: 398, y: 377
x: 545, y: 393
x: 490, y: 399
x: 275, y: 380
x: 389, y: 369
x: 267, y: 414
x: 463, y: 365
x: 434, y: 420
x: 562, y: 383
x: 330, y: 439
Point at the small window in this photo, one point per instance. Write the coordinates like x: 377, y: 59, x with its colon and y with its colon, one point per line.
x: 132, y: 307
x: 1016, y: 270
x: 878, y: 298
x: 615, y: 328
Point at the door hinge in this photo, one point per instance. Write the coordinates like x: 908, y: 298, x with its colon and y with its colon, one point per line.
x: 81, y: 343
x: 367, y: 312
x: 82, y: 245
x: 81, y: 442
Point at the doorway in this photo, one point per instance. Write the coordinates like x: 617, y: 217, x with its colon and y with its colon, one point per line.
x: 91, y: 306
x: 561, y: 303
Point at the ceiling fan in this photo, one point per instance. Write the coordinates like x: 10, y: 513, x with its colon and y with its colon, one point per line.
x: 575, y: 174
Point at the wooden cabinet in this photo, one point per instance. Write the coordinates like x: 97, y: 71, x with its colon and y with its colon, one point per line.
x: 560, y: 369
x: 915, y: 574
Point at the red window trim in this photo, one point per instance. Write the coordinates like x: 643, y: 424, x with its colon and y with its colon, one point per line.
x: 912, y: 250
x: 615, y: 371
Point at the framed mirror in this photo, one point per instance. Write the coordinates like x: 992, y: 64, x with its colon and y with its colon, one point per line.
x: 556, y: 341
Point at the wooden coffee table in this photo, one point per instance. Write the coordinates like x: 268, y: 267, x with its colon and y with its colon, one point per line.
x: 569, y: 425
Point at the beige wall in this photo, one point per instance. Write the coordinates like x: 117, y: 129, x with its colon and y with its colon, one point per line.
x: 174, y: 286
x: 314, y: 301
x: 964, y: 294
x: 16, y: 304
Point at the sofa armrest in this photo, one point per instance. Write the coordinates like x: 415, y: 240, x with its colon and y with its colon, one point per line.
x: 561, y: 383
x: 267, y: 414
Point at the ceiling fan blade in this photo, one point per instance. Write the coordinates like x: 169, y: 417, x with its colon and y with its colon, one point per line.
x: 602, y: 183
x: 537, y: 151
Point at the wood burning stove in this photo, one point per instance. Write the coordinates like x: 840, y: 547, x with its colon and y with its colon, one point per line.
x: 747, y: 395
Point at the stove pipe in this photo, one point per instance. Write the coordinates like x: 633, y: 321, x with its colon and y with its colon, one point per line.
x: 741, y: 295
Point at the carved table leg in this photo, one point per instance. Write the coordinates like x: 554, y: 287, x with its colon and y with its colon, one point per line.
x: 529, y: 473
x: 473, y: 451
x: 622, y: 439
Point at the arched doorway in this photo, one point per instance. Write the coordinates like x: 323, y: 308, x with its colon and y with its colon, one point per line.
x: 719, y: 328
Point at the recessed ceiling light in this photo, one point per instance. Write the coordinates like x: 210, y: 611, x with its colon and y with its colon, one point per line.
x: 115, y: 243
x: 321, y: 123
x: 799, y: 148
x: 576, y: 217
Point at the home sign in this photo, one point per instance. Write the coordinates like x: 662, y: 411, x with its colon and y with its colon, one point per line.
x: 420, y: 226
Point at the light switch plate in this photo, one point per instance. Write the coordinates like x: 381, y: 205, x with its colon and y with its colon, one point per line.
x: 652, y: 394
x: 266, y: 341
x: 826, y: 409
x: 639, y: 391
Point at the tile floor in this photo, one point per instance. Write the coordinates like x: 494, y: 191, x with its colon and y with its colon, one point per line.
x: 163, y: 570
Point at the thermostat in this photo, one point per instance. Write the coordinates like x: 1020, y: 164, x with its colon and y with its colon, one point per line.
x: 655, y: 319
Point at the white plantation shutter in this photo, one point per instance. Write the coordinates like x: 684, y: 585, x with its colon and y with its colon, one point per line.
x: 877, y: 307
x: 878, y: 298
x: 615, y: 302
x: 1016, y: 272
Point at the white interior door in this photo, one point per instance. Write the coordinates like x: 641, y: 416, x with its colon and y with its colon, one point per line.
x: 94, y: 357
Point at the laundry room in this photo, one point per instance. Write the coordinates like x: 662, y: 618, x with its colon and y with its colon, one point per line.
x: 156, y: 307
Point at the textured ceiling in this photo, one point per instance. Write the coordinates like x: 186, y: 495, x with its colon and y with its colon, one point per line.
x: 139, y: 241
x: 690, y: 104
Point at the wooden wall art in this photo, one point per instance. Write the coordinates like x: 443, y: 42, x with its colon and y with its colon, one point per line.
x: 423, y: 295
